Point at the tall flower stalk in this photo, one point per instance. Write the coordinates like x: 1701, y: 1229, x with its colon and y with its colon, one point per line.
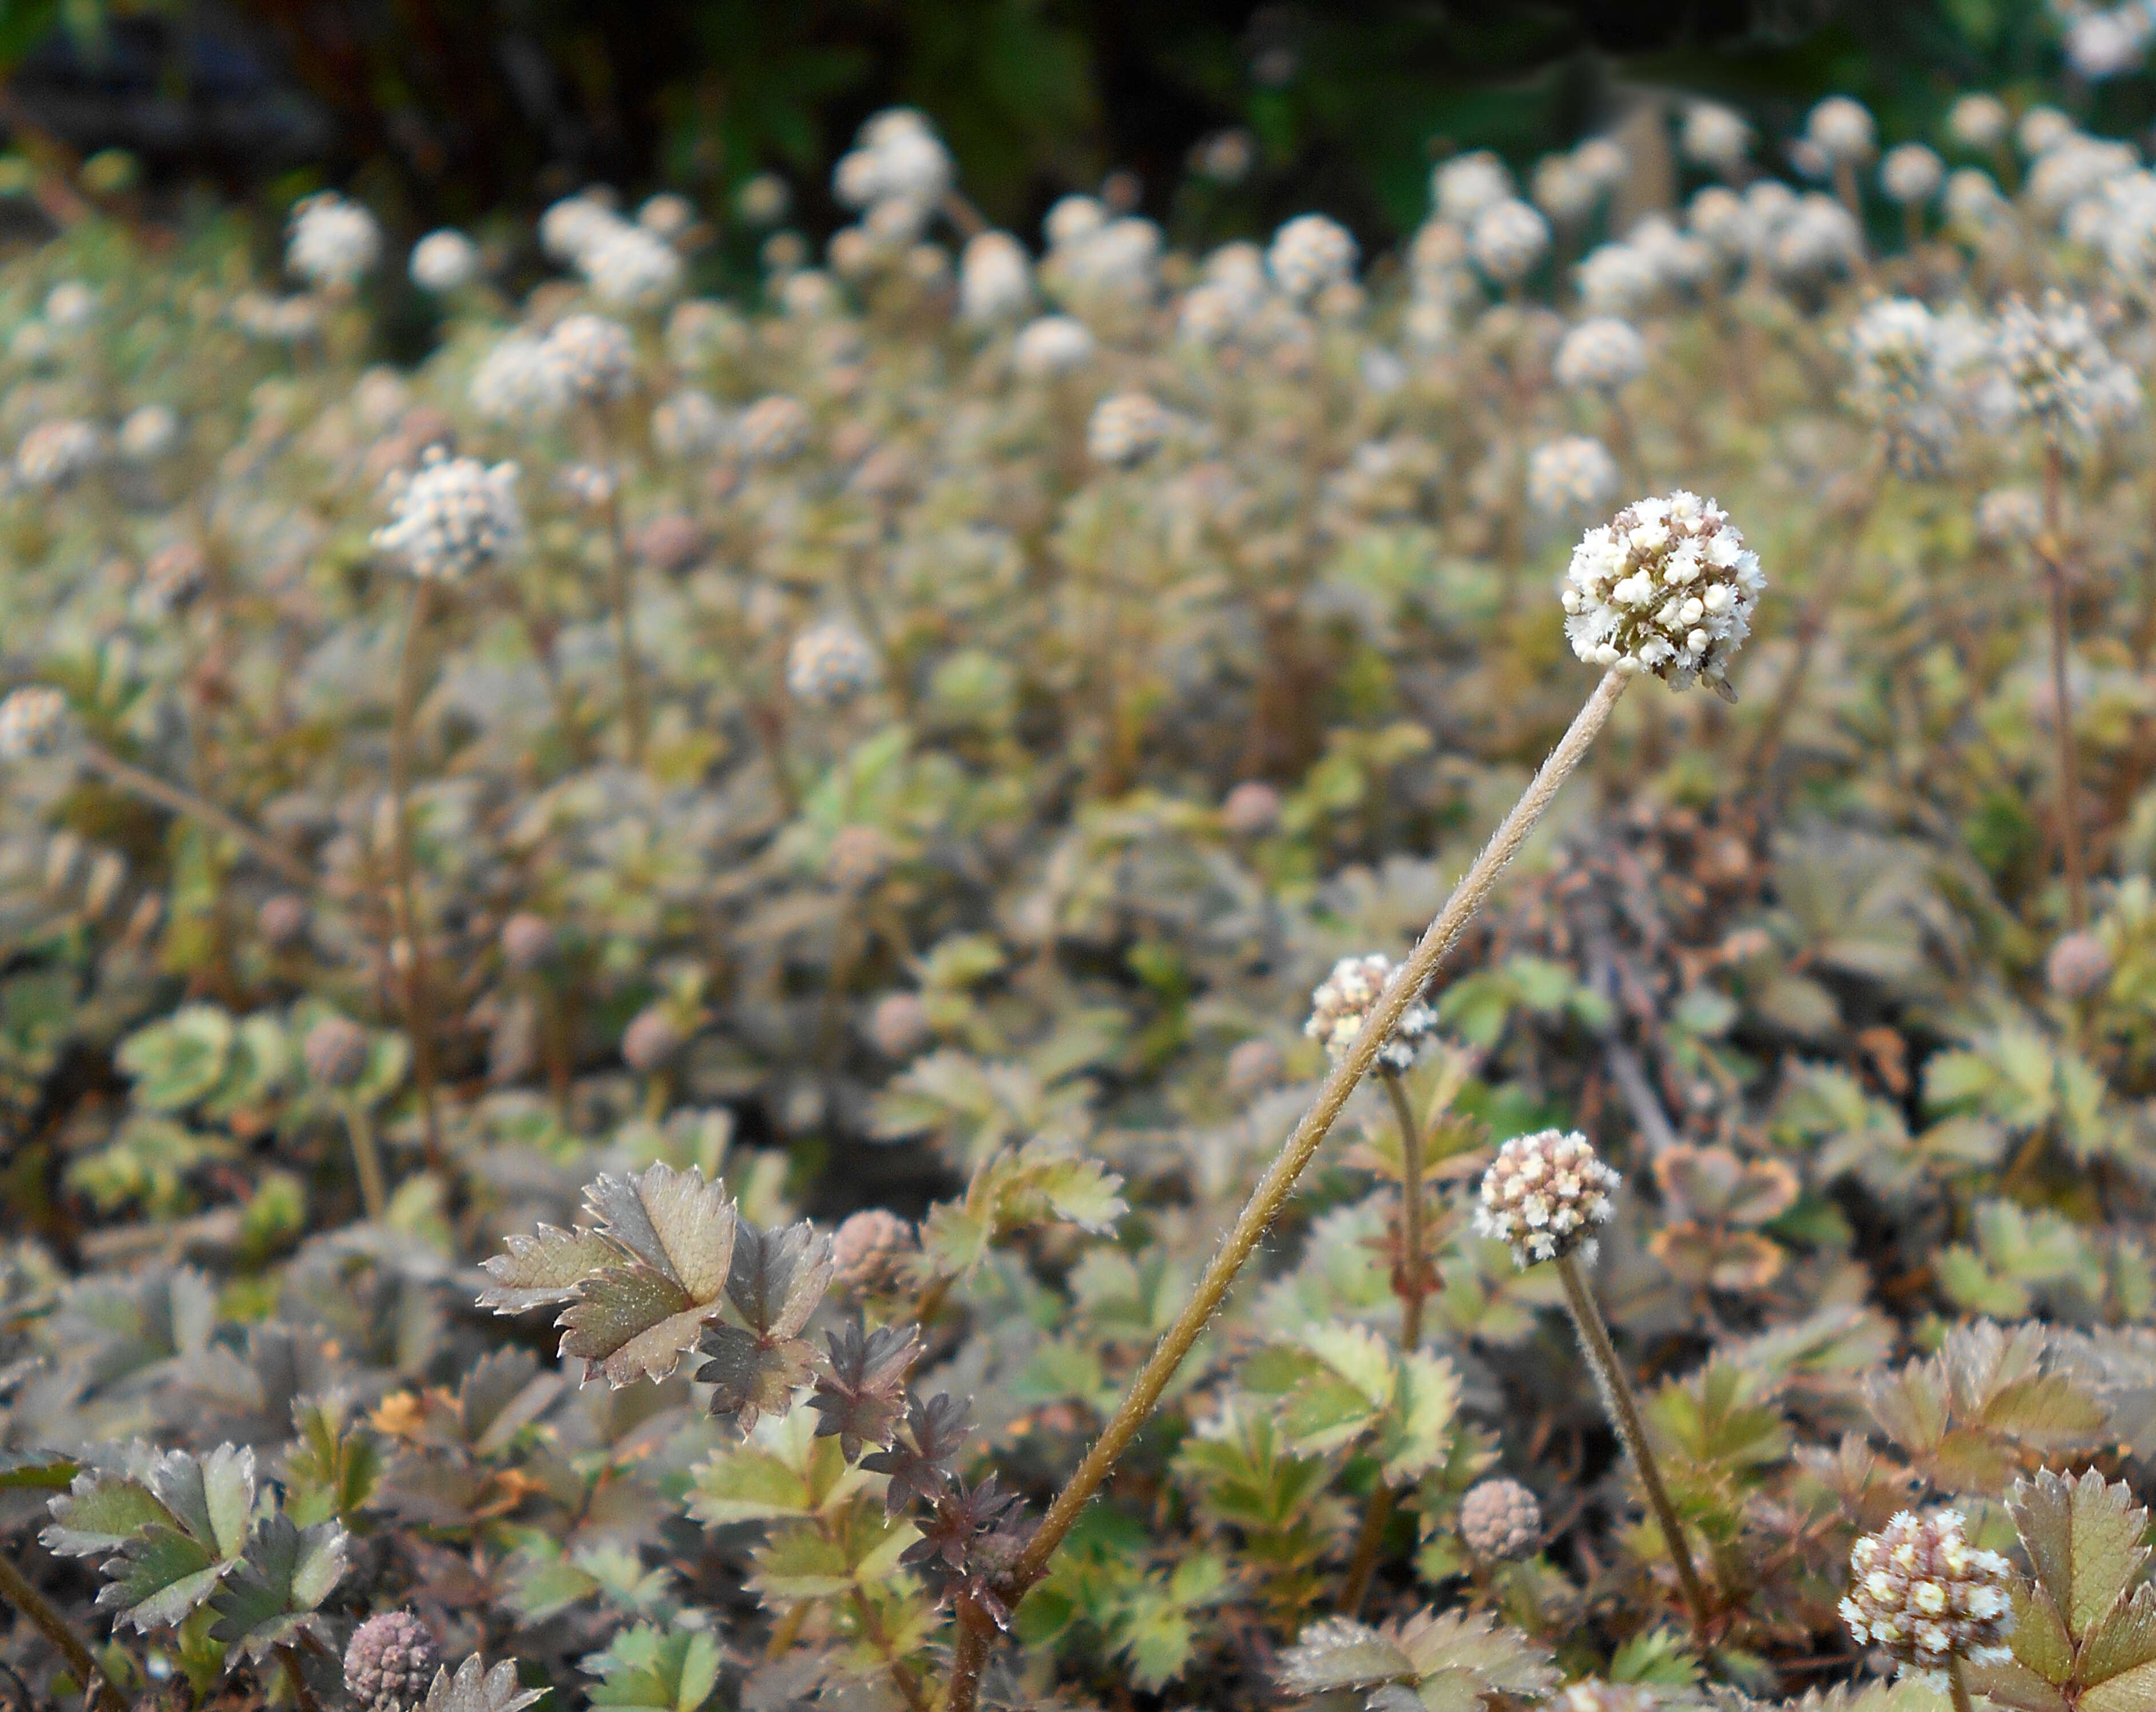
x: 2050, y: 552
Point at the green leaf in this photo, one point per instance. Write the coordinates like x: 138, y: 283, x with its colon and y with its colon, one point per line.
x: 2083, y: 1538
x: 646, y: 1670
x: 1337, y: 1652
x: 175, y: 1530
x: 475, y: 1688
x: 273, y: 1593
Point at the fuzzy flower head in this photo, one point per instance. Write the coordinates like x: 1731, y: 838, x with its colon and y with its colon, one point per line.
x: 148, y: 433
x: 1499, y: 1519
x: 1054, y: 344
x: 1126, y: 428
x: 444, y: 261
x: 1841, y: 130
x: 1573, y: 474
x: 332, y: 242
x: 1666, y: 586
x: 1618, y: 280
x: 1715, y: 137
x: 629, y: 267
x: 1911, y: 174
x: 1919, y: 1592
x: 1464, y: 186
x: 595, y: 357
x: 452, y: 516
x: 1344, y: 999
x: 390, y: 1662
x: 1603, y: 354
x: 897, y: 158
x: 775, y: 427
x: 1544, y: 1193
x: 31, y: 721
x: 1907, y: 365
x: 995, y: 278
x: 1507, y: 240
x: 1310, y: 253
x: 54, y: 453
x: 1979, y: 121
x: 2049, y: 367
x: 830, y: 664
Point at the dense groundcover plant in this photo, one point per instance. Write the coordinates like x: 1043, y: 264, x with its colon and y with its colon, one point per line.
x: 1076, y: 976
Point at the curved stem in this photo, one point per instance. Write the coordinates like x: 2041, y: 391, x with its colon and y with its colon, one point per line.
x: 140, y: 782
x: 1616, y: 1389
x: 17, y: 1589
x: 1273, y: 1189
x: 418, y: 974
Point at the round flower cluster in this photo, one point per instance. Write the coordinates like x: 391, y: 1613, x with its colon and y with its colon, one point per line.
x: 2077, y: 966
x: 1464, y: 186
x: 1310, y: 253
x: 1715, y: 137
x: 444, y: 261
x: 830, y: 664
x: 31, y: 721
x: 1054, y: 344
x: 54, y: 453
x: 1125, y: 429
x: 689, y: 424
x: 1666, y: 586
x: 871, y: 1249
x: 630, y: 268
x: 337, y: 1050
x: 1344, y: 999
x: 897, y: 158
x: 773, y: 429
x: 2052, y: 368
x: 521, y: 377
x: 1911, y: 174
x: 1817, y: 237
x: 1544, y: 1193
x: 1979, y: 121
x: 452, y: 516
x: 594, y: 355
x: 1507, y: 240
x: 1920, y: 1592
x: 389, y: 1663
x: 1841, y: 130
x: 571, y: 226
x: 2009, y: 514
x: 1572, y: 474
x: 1499, y: 1519
x: 995, y: 277
x: 1603, y: 354
x: 333, y: 242
x: 148, y: 433
x: 1618, y: 280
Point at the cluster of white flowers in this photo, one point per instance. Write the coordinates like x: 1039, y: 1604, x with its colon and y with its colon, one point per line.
x: 54, y: 453
x: 1909, y: 373
x: 1092, y: 256
x: 1666, y: 586
x: 688, y: 425
x: 1714, y: 136
x: 286, y: 321
x: 995, y: 278
x: 519, y: 377
x: 1600, y: 355
x: 2102, y: 43
x: 1618, y: 280
x: 1923, y: 1594
x: 1125, y: 429
x: 2073, y: 172
x: 2049, y: 367
x: 1343, y: 1000
x: 444, y: 261
x: 31, y: 721
x: 1464, y: 186
x: 1819, y: 238
x: 1911, y: 174
x: 1309, y: 254
x: 1544, y: 1193
x: 1573, y: 474
x: 1979, y: 121
x: 830, y: 664
x: 451, y: 517
x: 2005, y: 515
x: 594, y: 356
x: 332, y: 242
x: 148, y: 432
x: 1054, y: 344
x: 628, y: 264
x: 1507, y: 240
x: 775, y: 427
x: 898, y: 169
x: 1842, y: 131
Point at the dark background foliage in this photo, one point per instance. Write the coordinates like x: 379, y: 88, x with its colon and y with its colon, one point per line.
x: 443, y: 110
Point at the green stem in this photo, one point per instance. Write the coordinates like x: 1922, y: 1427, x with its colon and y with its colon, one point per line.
x: 366, y: 1159
x: 16, y: 1588
x: 1273, y: 1189
x: 2062, y: 712
x: 418, y: 982
x: 1616, y: 1389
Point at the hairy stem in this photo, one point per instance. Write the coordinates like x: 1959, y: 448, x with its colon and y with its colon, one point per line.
x: 1956, y: 1686
x: 418, y: 982
x: 969, y: 1656
x: 1279, y: 1181
x: 137, y: 781
x: 367, y: 1159
x: 16, y: 1588
x: 1362, y: 1561
x: 1616, y: 1389
x: 2062, y: 705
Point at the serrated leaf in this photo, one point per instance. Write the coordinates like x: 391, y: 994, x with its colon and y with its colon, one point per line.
x: 781, y: 1469
x: 100, y: 1511
x: 2123, y: 1649
x: 1337, y: 1652
x: 779, y: 1277
x: 473, y: 1688
x: 750, y: 1377
x: 175, y: 1532
x: 1415, y: 1433
x: 2083, y: 1538
x: 544, y: 1269
x: 645, y: 1670
x: 275, y: 1590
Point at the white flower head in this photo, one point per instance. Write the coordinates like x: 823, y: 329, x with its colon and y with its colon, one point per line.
x: 521, y: 378
x: 1618, y: 280
x: 1923, y: 1595
x: 1666, y: 586
x: 595, y: 356
x: 32, y: 720
x: 1911, y: 174
x: 1310, y: 253
x: 995, y: 278
x: 1544, y: 1193
x: 2049, y: 367
x: 1715, y: 136
x: 2043, y: 129
x: 71, y: 305
x: 332, y: 242
x: 444, y: 261
x: 452, y: 516
x: 1464, y: 186
x: 1562, y: 191
x: 629, y: 267
x: 1979, y: 121
x: 774, y: 429
x: 1602, y: 161
x: 571, y: 226
x: 896, y: 157
x: 1507, y: 240
x: 1054, y: 344
x: 1842, y: 131
x: 1346, y: 997
x: 688, y: 425
x: 1573, y: 474
x: 54, y: 453
x: 1126, y: 428
x: 148, y: 433
x: 830, y: 664
x: 1601, y: 355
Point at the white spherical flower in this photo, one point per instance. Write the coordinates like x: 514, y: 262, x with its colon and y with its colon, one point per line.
x: 71, y: 305
x: 54, y: 453
x: 1973, y: 200
x: 667, y: 215
x: 1820, y: 237
x: 31, y: 722
x: 897, y: 158
x: 2043, y: 129
x: 774, y: 429
x: 571, y: 226
x: 1507, y: 240
x: 1977, y: 122
x: 2104, y: 44
x: 1907, y: 366
x: 1125, y: 429
x: 1717, y: 215
x: 1572, y: 474
x: 702, y: 329
x: 809, y: 295
x: 763, y: 199
x: 148, y: 433
x: 1562, y: 191
x: 2077, y: 168
x: 1680, y: 262
x: 444, y: 261
x: 1308, y: 253
x: 596, y: 356
x: 1603, y: 354
x: 521, y: 378
x: 1054, y: 344
x: 1602, y: 161
x: 1464, y: 186
x: 688, y: 425
x: 2126, y: 229
x: 332, y: 242
x: 1073, y: 219
x: 2008, y: 515
x: 1716, y: 137
x: 629, y: 267
x: 1666, y: 586
x: 2049, y: 367
x: 1923, y: 1594
x: 1842, y: 129
x: 830, y: 664
x: 1346, y: 997
x: 995, y: 277
x: 1617, y: 279
x: 451, y: 517
x: 1911, y: 174
x: 1544, y: 1193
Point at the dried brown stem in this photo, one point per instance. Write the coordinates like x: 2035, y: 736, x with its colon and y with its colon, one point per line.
x: 137, y: 781
x: 17, y: 1589
x: 418, y: 973
x: 2050, y: 550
